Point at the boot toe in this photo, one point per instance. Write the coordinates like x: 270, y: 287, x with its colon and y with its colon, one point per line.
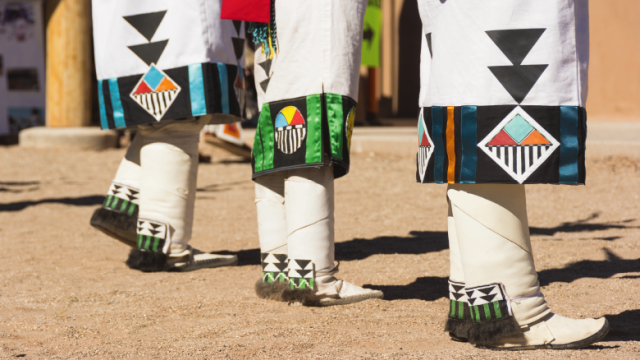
x: 348, y: 294
x: 556, y: 332
x: 576, y: 333
x: 207, y: 261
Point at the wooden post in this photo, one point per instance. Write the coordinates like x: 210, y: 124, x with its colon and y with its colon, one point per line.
x: 68, y: 63
x: 372, y: 91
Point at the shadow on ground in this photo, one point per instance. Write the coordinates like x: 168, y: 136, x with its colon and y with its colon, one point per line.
x: 427, y: 288
x: 79, y: 201
x: 430, y: 288
x: 583, y: 225
x: 19, y: 186
x: 419, y: 242
x: 423, y: 242
x: 600, y: 269
x: 222, y: 187
x: 233, y: 161
x: 624, y: 326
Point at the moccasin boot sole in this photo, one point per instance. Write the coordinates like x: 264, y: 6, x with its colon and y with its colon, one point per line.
x: 345, y: 300
x: 205, y: 261
x: 573, y: 345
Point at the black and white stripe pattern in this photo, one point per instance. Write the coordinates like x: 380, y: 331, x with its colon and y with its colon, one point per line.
x: 424, y: 154
x: 156, y: 103
x: 520, y: 158
x: 290, y: 138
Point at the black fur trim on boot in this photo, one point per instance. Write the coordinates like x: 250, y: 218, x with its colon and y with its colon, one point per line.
x: 489, y: 332
x: 119, y: 226
x: 147, y: 261
x: 296, y: 296
x: 458, y: 328
x: 272, y: 290
x: 459, y: 321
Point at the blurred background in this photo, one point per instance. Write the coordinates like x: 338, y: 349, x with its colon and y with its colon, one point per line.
x: 47, y: 74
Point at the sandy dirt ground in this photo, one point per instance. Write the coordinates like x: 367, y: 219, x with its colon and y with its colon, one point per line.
x: 66, y: 293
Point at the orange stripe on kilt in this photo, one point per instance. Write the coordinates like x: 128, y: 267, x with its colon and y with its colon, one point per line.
x: 451, y: 146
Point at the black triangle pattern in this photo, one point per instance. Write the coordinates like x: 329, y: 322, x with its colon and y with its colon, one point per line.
x: 281, y: 265
x: 517, y: 43
x: 486, y: 291
x: 302, y: 263
x: 303, y: 273
x: 457, y: 295
x: 146, y: 24
x: 149, y: 53
x: 264, y: 84
x: 429, y: 44
x: 518, y: 80
x: 489, y: 298
x: 237, y: 24
x: 266, y: 66
x: 238, y: 47
x: 457, y: 288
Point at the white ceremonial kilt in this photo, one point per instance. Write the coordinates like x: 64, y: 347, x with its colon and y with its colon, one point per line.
x: 503, y: 90
x: 165, y: 60
x: 307, y: 88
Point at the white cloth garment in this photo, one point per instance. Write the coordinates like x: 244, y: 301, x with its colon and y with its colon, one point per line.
x: 319, y: 46
x: 193, y: 28
x: 454, y: 72
x: 159, y: 60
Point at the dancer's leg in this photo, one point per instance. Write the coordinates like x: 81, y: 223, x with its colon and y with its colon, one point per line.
x: 272, y: 232
x: 169, y: 160
x: 119, y: 213
x: 309, y: 204
x: 459, y: 318
x: 507, y: 307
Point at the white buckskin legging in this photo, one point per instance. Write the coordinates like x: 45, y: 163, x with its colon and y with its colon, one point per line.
x: 162, y: 164
x: 295, y: 218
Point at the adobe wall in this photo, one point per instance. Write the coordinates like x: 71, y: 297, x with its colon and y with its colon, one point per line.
x: 614, y: 69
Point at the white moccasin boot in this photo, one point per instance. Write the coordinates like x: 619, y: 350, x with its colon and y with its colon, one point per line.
x: 501, y: 284
x: 309, y: 199
x: 332, y: 291
x: 272, y: 232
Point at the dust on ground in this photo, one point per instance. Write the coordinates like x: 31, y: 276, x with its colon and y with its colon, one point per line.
x: 65, y: 291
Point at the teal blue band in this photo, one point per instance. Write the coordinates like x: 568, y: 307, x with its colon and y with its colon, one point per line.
x: 196, y: 90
